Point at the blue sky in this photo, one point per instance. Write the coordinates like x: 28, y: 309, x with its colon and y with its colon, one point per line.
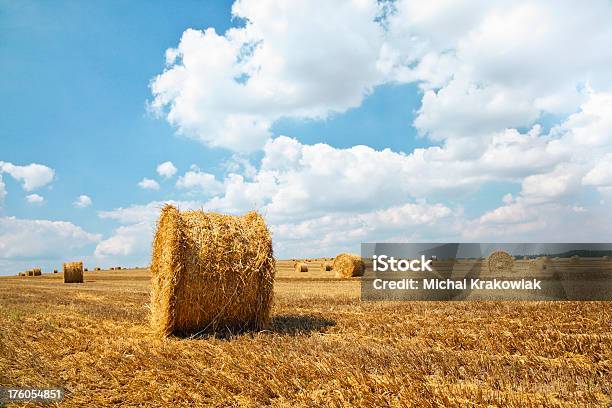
x: 88, y: 91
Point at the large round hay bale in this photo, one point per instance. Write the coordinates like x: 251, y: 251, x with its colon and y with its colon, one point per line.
x: 30, y: 272
x: 301, y: 267
x: 326, y: 266
x: 500, y: 262
x: 37, y: 271
x: 348, y: 265
x: 73, y: 272
x: 210, y: 272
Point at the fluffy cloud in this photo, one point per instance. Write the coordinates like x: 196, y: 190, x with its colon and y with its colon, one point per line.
x: 300, y: 59
x: 32, y: 176
x: 35, y: 199
x: 41, y: 239
x: 200, y: 181
x: 498, y: 64
x: 2, y: 191
x: 483, y: 66
x: 148, y: 184
x: 601, y: 174
x: 82, y: 201
x: 166, y: 169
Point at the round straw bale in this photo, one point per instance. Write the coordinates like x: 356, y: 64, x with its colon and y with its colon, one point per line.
x: 97, y: 268
x: 210, y: 272
x: 301, y: 267
x: 55, y: 271
x: 22, y: 274
x: 326, y: 266
x: 73, y: 272
x: 37, y: 271
x: 30, y: 272
x: 348, y: 265
x: 500, y: 262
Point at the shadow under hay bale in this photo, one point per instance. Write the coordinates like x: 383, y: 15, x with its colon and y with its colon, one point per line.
x: 73, y: 272
x: 301, y: 267
x: 291, y: 325
x: 348, y: 265
x: 210, y: 273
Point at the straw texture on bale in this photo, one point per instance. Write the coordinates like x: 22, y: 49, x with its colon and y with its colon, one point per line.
x: 37, y: 271
x: 30, y: 272
x: 73, y: 272
x: 301, y: 267
x: 210, y: 273
x: 500, y: 262
x: 348, y: 265
x: 326, y: 266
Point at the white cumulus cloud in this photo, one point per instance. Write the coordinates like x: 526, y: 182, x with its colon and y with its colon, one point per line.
x: 35, y: 199
x: 303, y: 59
x: 2, y: 191
x: 32, y: 176
x: 148, y: 184
x: 41, y: 239
x: 82, y: 201
x: 200, y: 181
x: 166, y: 169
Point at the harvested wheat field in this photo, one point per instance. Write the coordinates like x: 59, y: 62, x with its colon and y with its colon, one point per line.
x: 323, y: 348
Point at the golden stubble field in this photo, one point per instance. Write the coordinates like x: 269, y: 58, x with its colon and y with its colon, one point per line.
x: 324, y: 348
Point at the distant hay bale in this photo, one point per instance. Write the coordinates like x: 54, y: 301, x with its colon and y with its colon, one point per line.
x: 86, y: 270
x: 97, y: 268
x: 348, y: 265
x: 326, y: 266
x: 210, y: 272
x: 500, y: 262
x: 37, y: 272
x: 22, y: 274
x: 301, y: 267
x: 73, y: 272
x: 118, y: 268
x: 30, y: 272
x: 55, y: 271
